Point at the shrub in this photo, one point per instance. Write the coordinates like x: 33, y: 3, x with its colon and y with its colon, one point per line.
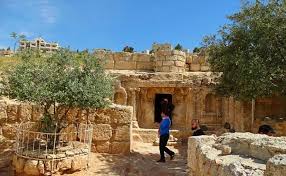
x: 128, y: 49
x: 179, y: 47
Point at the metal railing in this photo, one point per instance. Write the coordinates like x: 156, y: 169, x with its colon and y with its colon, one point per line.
x: 74, y: 140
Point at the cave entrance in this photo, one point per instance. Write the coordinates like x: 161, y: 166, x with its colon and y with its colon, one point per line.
x: 158, y: 99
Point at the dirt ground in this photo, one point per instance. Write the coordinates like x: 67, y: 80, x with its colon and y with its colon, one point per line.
x: 141, y: 162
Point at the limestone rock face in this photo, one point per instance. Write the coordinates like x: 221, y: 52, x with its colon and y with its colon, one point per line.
x: 18, y: 164
x: 250, y: 144
x: 12, y: 111
x: 3, y: 112
x: 102, y: 132
x: 237, y: 154
x: 25, y: 112
x: 122, y: 133
x: 120, y: 147
x: 276, y: 166
x: 103, y: 147
x: 9, y: 131
x: 78, y: 163
x: 65, y: 164
x: 41, y: 167
x: 31, y: 168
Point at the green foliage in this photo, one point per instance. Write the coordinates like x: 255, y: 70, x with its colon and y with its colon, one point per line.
x: 47, y: 124
x: 197, y: 49
x: 128, y: 49
x: 17, y: 38
x: 178, y: 47
x: 251, y: 51
x: 63, y: 78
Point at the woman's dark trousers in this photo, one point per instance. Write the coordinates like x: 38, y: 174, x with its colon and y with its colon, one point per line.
x: 162, y: 146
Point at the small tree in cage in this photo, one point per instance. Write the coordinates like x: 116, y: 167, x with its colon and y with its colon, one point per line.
x: 58, y: 82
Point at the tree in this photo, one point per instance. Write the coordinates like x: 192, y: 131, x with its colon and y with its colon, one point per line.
x: 198, y: 49
x: 128, y: 49
x: 14, y: 35
x: 178, y: 47
x: 59, y: 81
x: 250, y: 52
x: 21, y: 37
x: 17, y: 38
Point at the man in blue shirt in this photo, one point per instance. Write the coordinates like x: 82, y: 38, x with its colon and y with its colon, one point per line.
x: 164, y: 133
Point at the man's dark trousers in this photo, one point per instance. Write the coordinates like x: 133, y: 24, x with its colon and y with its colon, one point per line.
x: 162, y: 145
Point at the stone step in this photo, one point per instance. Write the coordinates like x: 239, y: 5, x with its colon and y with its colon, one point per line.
x: 149, y: 135
x: 170, y: 143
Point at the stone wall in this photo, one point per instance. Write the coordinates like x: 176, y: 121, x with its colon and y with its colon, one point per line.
x: 197, y: 62
x: 126, y: 61
x: 278, y: 125
x: 160, y: 61
x: 111, y: 126
x: 170, y: 61
x: 237, y: 154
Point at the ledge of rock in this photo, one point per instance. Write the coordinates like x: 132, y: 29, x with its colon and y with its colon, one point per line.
x: 237, y: 154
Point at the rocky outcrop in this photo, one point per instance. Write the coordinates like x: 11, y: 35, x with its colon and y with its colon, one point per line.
x: 237, y: 154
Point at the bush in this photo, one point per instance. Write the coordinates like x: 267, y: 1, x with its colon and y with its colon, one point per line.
x: 197, y: 50
x: 128, y: 49
x: 179, y: 47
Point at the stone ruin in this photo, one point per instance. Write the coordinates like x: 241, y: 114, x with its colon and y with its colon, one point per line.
x: 111, y: 134
x: 237, y: 154
x: 142, y: 80
x: 186, y: 80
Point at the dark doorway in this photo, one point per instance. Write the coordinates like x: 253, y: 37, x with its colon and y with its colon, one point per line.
x: 158, y: 99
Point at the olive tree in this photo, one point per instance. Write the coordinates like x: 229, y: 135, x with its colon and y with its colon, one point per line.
x: 58, y: 82
x: 250, y: 51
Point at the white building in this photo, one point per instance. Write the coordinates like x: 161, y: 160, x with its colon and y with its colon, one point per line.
x: 39, y: 43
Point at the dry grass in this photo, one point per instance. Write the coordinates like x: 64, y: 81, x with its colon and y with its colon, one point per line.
x: 8, y: 62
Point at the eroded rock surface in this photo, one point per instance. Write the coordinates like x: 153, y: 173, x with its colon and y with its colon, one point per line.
x: 237, y: 154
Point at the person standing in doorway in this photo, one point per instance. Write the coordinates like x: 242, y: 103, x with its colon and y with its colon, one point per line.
x: 164, y: 133
x: 170, y: 107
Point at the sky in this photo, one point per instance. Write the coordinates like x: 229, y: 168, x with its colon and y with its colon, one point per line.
x: 113, y: 24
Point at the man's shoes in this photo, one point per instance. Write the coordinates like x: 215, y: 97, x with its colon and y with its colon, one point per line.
x: 172, y: 156
x: 161, y: 161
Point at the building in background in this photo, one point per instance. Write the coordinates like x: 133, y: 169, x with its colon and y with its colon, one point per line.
x: 6, y: 52
x: 39, y: 43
